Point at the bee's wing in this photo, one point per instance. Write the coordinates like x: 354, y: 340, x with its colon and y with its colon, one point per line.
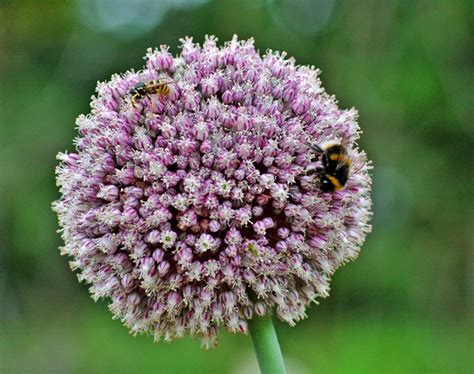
x: 340, y: 164
x: 342, y: 157
x: 358, y: 169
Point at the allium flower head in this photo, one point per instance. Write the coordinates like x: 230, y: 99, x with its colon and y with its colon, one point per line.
x: 198, y: 209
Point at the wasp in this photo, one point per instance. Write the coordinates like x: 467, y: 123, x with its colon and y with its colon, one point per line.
x: 159, y: 87
x: 336, y: 165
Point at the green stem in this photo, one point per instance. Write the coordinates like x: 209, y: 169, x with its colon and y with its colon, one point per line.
x: 266, y: 345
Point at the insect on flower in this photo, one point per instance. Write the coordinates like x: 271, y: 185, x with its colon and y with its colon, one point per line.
x: 180, y: 218
x: 336, y: 165
x: 160, y: 87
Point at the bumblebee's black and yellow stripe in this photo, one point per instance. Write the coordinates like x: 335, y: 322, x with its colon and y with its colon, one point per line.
x: 141, y: 89
x: 336, y: 166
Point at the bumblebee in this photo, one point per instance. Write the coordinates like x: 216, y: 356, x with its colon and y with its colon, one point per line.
x: 336, y: 166
x: 142, y: 89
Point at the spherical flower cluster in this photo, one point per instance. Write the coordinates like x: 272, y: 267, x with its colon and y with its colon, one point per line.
x: 201, y: 208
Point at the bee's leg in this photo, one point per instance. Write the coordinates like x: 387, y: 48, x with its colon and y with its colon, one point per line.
x: 314, y: 147
x: 152, y: 104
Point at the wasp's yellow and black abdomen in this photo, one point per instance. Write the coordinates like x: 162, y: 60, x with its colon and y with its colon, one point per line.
x: 154, y: 87
x: 162, y: 89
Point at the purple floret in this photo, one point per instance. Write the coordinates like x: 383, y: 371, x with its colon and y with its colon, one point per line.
x: 198, y: 209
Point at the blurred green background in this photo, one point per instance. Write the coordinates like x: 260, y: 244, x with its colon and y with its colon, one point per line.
x: 404, y: 307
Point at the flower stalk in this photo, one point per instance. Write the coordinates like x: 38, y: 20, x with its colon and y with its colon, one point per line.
x: 267, y: 348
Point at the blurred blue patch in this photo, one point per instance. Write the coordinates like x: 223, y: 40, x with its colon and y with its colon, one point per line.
x: 128, y: 19
x: 305, y: 17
